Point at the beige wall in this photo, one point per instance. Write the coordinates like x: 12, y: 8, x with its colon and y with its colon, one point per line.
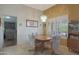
x: 22, y: 13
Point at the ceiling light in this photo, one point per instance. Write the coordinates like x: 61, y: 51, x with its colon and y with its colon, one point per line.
x: 43, y: 18
x: 7, y: 17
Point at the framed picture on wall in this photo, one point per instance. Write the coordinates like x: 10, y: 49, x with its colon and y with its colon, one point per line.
x: 0, y: 21
x: 31, y: 23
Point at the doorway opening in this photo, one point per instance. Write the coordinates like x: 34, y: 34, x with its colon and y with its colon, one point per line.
x: 10, y: 31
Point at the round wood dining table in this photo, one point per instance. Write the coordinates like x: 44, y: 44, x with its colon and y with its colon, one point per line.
x: 40, y: 41
x: 43, y: 37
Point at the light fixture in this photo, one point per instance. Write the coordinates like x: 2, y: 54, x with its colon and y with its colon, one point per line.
x: 7, y: 17
x: 43, y: 18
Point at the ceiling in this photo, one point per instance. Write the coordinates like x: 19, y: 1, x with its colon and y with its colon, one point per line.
x: 41, y: 7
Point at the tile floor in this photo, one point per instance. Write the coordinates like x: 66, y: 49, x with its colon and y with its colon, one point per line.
x: 25, y: 50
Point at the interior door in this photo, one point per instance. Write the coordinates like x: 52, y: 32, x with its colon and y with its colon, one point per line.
x: 10, y: 32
